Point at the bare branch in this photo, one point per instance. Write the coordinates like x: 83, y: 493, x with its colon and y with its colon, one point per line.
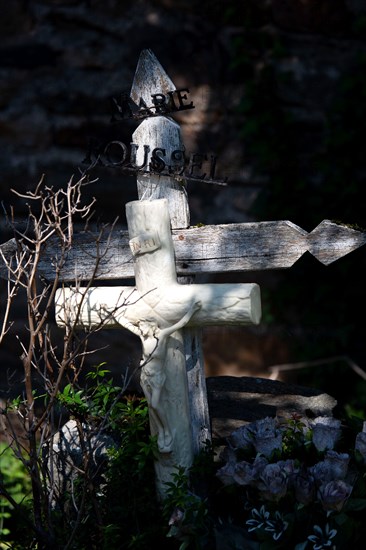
x: 275, y: 370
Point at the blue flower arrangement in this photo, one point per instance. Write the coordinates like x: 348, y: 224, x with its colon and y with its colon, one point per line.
x: 295, y: 483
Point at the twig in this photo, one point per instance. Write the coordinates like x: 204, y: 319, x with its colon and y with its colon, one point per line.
x: 276, y: 369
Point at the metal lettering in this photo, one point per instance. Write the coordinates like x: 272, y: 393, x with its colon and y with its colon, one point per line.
x: 181, y: 98
x: 125, y: 107
x: 143, y: 109
x: 159, y: 102
x: 115, y: 154
x: 157, y: 164
x: 195, y: 161
x: 93, y: 154
x: 134, y: 148
x: 213, y: 159
x: 178, y: 162
x: 171, y: 104
x: 122, y: 146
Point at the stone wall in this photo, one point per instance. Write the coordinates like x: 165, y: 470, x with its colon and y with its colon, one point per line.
x: 61, y: 61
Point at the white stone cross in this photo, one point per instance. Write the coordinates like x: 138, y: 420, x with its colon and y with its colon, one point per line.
x: 156, y: 310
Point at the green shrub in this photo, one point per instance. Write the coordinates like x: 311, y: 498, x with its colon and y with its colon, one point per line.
x: 14, y: 484
x: 120, y: 508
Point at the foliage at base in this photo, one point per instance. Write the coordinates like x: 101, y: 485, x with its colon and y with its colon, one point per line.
x: 275, y: 483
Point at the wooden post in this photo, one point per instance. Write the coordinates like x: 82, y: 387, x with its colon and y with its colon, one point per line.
x: 164, y: 133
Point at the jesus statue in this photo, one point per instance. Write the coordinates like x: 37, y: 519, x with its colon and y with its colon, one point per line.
x: 153, y: 367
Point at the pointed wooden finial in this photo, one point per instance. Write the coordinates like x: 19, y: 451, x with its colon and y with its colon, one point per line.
x: 330, y: 241
x: 150, y: 78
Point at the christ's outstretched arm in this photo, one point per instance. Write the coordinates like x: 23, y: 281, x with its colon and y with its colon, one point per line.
x: 165, y: 332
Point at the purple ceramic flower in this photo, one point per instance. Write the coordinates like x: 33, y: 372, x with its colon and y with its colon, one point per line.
x: 334, y: 494
x: 241, y: 438
x: 304, y: 486
x: 258, y: 520
x: 333, y: 467
x: 273, y: 482
x: 262, y: 519
x: 289, y: 466
x: 267, y: 437
x: 246, y: 473
x: 326, y: 432
x: 276, y: 526
x: 360, y: 444
x: 322, y: 539
x: 226, y: 473
x: 228, y: 455
x: 321, y: 473
x: 337, y: 463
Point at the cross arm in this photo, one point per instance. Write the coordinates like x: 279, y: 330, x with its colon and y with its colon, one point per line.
x: 236, y: 247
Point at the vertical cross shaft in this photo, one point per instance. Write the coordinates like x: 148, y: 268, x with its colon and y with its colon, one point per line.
x: 162, y: 132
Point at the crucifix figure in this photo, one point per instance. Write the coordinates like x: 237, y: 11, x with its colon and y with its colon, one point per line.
x: 156, y: 310
x: 153, y: 368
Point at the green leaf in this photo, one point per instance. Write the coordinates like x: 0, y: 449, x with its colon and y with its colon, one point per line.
x: 355, y: 504
x: 341, y: 519
x: 67, y: 390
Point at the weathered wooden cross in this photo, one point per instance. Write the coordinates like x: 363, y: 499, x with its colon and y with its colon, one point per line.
x: 166, y: 312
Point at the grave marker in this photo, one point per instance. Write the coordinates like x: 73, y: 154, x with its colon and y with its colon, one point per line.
x: 161, y: 245
x: 155, y: 310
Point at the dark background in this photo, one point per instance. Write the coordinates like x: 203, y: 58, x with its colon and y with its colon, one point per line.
x: 279, y: 89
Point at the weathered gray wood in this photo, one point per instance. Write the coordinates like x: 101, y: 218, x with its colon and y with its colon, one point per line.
x: 150, y: 78
x: 207, y: 249
x: 8, y: 251
x: 162, y: 132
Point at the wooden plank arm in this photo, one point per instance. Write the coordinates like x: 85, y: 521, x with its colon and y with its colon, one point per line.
x: 237, y: 247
